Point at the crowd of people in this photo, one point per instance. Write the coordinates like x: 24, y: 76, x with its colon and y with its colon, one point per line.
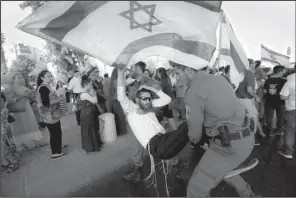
x: 182, y: 95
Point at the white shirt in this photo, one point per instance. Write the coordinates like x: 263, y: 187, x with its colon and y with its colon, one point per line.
x: 144, y: 126
x: 75, y: 85
x: 289, y: 90
x: 87, y: 96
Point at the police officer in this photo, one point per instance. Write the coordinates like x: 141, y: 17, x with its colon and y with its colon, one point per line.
x: 211, y: 102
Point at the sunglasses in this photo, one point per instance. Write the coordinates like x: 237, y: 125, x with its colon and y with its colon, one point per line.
x: 145, y: 98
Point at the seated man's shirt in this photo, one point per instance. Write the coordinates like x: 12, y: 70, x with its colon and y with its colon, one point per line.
x: 144, y: 126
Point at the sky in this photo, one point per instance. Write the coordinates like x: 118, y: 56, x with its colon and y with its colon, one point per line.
x: 271, y: 23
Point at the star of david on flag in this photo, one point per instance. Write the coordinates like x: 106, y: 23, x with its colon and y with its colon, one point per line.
x: 148, y: 10
x: 274, y: 57
x: 121, y: 33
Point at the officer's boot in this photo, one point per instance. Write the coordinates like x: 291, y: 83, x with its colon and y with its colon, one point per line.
x: 134, y: 176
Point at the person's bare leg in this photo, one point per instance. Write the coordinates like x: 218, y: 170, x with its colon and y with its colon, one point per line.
x: 259, y: 127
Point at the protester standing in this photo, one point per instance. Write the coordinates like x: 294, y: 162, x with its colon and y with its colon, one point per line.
x: 167, y: 88
x: 288, y: 93
x: 49, y: 106
x: 273, y: 102
x: 93, y: 73
x: 247, y: 94
x: 74, y: 86
x: 180, y: 88
x: 90, y: 136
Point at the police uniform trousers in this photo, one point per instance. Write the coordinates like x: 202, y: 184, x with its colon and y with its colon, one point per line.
x: 214, y: 165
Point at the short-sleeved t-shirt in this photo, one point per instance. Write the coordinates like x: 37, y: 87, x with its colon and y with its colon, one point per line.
x: 249, y: 80
x: 273, y: 86
x: 289, y: 91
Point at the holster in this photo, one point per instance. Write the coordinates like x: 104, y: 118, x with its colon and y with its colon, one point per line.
x: 224, y: 136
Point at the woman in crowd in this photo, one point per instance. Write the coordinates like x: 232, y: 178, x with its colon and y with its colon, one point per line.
x: 62, y: 91
x: 93, y: 74
x: 49, y: 106
x: 9, y: 155
x: 90, y: 137
x: 166, y: 86
x: 115, y: 107
x: 25, y: 128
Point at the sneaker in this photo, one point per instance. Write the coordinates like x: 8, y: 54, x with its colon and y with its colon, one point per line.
x: 279, y: 132
x: 282, y: 153
x: 56, y: 156
x: 244, y: 167
x: 257, y: 142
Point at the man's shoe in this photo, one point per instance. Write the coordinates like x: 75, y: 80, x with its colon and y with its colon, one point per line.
x: 257, y: 142
x: 134, y: 176
x: 244, y: 167
x: 285, y: 155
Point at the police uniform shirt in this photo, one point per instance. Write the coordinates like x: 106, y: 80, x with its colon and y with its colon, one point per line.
x: 209, y: 100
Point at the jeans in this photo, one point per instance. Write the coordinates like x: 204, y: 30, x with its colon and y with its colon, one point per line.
x: 280, y: 116
x: 115, y: 108
x: 288, y: 140
x: 55, y: 133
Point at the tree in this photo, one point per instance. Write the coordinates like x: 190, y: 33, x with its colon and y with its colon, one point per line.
x: 23, y: 66
x: 34, y: 5
x: 3, y: 62
x: 66, y: 58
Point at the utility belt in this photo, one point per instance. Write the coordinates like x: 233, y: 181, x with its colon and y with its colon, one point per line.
x: 226, y: 137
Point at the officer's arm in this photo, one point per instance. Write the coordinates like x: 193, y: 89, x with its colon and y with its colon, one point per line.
x: 195, y: 118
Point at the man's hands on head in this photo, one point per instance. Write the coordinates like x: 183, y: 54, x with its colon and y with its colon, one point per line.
x: 153, y: 88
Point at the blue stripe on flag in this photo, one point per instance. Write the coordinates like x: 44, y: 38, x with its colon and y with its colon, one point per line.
x: 273, y: 52
x: 270, y: 60
x: 239, y: 64
x: 70, y: 19
x: 214, y: 6
x: 172, y: 40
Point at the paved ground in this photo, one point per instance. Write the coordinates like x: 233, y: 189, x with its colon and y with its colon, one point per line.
x: 41, y: 176
x: 274, y: 179
x: 100, y: 174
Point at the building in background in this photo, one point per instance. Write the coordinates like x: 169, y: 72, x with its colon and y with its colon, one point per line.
x: 13, y: 51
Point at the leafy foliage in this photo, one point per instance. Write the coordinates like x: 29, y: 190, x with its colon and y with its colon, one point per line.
x: 55, y: 53
x: 34, y: 5
x: 23, y: 66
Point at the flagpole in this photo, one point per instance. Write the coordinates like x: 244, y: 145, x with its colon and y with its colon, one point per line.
x: 220, y: 39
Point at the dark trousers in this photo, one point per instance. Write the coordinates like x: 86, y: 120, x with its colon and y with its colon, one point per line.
x: 116, y: 109
x: 280, y: 117
x: 55, y: 133
x: 77, y: 113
